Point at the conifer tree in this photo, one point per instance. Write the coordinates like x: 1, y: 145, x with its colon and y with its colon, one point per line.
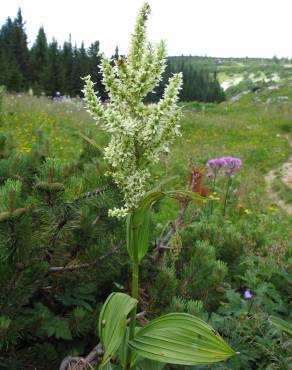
x: 11, y: 75
x: 67, y: 63
x: 54, y: 73
x: 38, y: 61
x: 20, y: 47
x: 79, y: 68
x: 94, y: 61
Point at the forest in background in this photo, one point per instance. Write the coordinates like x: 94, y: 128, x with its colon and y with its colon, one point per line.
x: 48, y: 67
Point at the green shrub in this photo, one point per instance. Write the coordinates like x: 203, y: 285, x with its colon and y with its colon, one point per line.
x: 55, y: 240
x: 194, y: 275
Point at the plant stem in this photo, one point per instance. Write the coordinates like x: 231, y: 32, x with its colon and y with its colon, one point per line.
x: 250, y: 307
x: 227, y: 193
x: 213, y: 189
x: 135, y: 282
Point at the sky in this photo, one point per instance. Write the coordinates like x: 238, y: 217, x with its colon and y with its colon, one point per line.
x: 219, y: 28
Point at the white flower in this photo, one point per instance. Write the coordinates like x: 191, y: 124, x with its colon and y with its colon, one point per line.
x: 140, y: 133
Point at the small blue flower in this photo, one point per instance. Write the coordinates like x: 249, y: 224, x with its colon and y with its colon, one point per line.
x: 247, y: 294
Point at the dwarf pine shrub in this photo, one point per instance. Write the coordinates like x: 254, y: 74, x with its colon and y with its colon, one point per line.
x: 59, y: 254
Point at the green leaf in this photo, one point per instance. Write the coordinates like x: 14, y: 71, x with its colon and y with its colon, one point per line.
x: 123, y: 350
x: 138, y: 222
x: 110, y: 366
x: 138, y: 235
x: 283, y: 325
x: 112, y: 322
x: 90, y: 141
x: 163, y: 182
x: 181, y: 339
x: 58, y: 327
x: 149, y: 365
x: 63, y: 331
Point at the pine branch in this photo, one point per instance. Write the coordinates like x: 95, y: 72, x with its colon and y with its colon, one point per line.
x: 68, y: 268
x: 65, y: 268
x: 68, y: 215
x: 91, y: 194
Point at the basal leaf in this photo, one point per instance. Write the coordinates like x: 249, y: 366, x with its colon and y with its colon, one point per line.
x: 149, y: 365
x: 112, y: 323
x: 181, y: 339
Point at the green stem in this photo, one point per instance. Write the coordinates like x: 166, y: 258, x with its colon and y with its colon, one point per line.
x: 135, y: 287
x: 250, y: 307
x: 226, y: 194
x: 214, y: 187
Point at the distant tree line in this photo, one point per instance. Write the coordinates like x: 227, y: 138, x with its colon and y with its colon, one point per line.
x: 48, y: 67
x: 200, y: 81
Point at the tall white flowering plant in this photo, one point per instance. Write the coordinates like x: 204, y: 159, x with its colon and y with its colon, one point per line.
x: 139, y: 134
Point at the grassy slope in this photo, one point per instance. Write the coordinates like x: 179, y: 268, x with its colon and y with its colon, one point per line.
x: 25, y: 115
x: 249, y: 131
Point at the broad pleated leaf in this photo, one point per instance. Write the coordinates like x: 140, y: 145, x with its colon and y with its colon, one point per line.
x: 137, y: 362
x: 149, y: 365
x: 112, y: 323
x: 138, y: 222
x: 181, y: 339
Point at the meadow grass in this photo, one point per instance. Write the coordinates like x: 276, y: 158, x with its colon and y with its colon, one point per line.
x: 61, y: 122
x: 251, y: 132
x: 283, y: 190
x: 247, y: 131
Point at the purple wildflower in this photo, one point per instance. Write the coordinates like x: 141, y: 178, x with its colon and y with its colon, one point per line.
x: 210, y: 174
x: 215, y: 163
x: 247, y: 294
x: 230, y: 164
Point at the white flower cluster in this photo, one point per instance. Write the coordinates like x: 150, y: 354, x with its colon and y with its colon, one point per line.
x: 140, y: 132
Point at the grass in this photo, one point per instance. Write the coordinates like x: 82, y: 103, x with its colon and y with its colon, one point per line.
x: 61, y: 122
x: 246, y: 131
x: 252, y: 132
x: 283, y: 190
